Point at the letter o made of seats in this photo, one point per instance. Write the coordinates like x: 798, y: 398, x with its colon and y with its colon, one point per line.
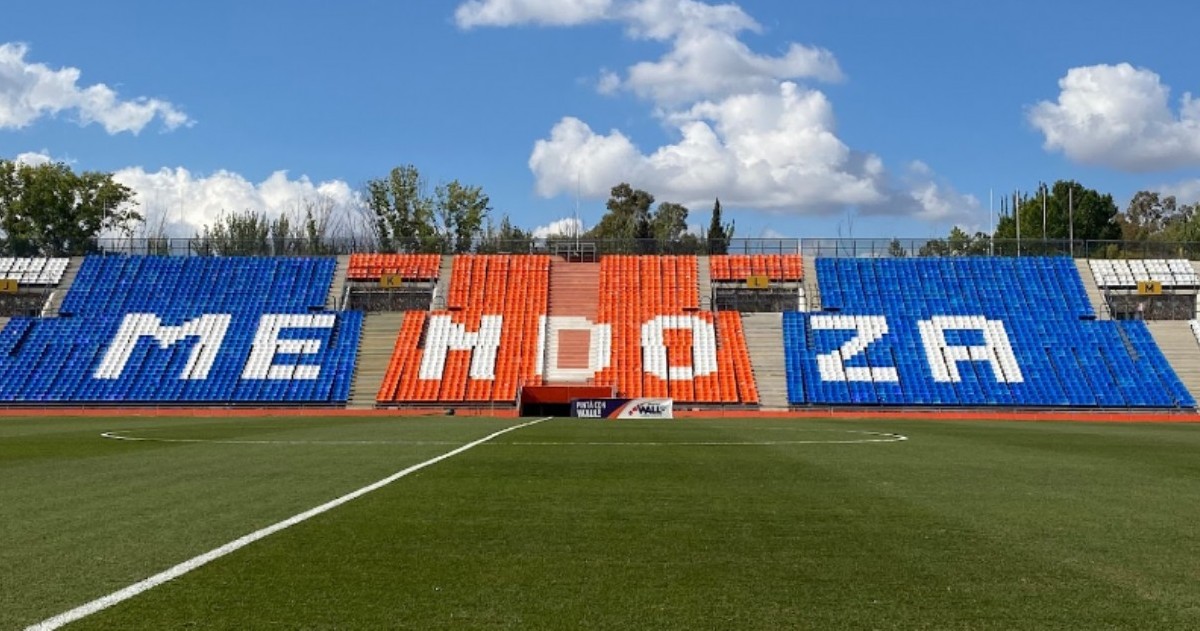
x: 704, y: 347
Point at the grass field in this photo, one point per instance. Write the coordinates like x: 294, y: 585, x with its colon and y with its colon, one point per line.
x: 685, y: 524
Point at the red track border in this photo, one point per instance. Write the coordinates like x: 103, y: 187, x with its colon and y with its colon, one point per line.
x: 973, y: 414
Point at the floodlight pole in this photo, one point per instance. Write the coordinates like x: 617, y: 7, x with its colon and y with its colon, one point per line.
x: 1071, y: 217
x: 991, y: 226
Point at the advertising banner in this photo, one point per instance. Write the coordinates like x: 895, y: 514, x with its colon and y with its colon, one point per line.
x: 621, y: 408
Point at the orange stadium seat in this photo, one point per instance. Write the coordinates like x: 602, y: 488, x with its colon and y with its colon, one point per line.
x: 739, y: 267
x: 407, y: 266
x: 661, y: 344
x: 500, y: 297
x: 634, y: 290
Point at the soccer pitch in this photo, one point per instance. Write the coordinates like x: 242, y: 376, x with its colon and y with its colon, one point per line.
x: 682, y: 524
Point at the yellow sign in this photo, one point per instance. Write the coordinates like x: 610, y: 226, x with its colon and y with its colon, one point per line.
x: 391, y: 281
x: 8, y: 286
x: 758, y: 282
x: 1149, y: 287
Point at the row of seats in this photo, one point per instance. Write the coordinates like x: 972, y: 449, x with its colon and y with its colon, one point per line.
x: 484, y: 346
x: 407, y: 266
x: 33, y: 270
x: 490, y: 339
x: 969, y: 332
x: 921, y: 286
x: 141, y: 329
x: 661, y: 345
x: 664, y: 284
x: 1125, y: 274
x: 174, y: 285
x: 739, y: 267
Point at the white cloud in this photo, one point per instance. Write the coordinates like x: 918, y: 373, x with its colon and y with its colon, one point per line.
x: 567, y: 226
x: 475, y: 13
x: 706, y: 60
x: 29, y: 91
x: 769, y: 151
x: 1185, y: 192
x: 744, y: 128
x: 35, y: 158
x: 184, y: 203
x: 1120, y: 117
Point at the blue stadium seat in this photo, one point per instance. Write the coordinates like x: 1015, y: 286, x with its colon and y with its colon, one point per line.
x: 200, y: 330
x: 969, y: 331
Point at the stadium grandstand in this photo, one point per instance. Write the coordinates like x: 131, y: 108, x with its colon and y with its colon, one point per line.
x: 768, y: 328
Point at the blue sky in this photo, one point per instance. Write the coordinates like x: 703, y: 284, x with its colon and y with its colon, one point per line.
x: 864, y: 117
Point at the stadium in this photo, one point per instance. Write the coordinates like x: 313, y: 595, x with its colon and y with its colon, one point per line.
x: 573, y: 437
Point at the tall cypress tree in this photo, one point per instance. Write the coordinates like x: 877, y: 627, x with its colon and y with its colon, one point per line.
x: 719, y: 234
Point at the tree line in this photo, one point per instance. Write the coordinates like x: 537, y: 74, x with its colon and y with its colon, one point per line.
x: 51, y: 210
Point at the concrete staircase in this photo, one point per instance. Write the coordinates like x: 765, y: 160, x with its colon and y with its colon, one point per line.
x: 375, y: 346
x: 334, y: 301
x: 574, y: 292
x: 812, y: 292
x: 54, y: 302
x: 574, y: 289
x: 764, y: 341
x: 1178, y: 344
x: 1094, y: 294
x: 704, y: 282
x: 443, y: 284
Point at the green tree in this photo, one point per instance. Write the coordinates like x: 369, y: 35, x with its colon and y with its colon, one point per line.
x: 405, y: 218
x: 934, y: 247
x: 719, y: 234
x: 462, y: 210
x: 1094, y: 215
x: 958, y: 243
x: 895, y: 250
x: 246, y: 233
x: 314, y: 235
x: 626, y: 206
x: 670, y: 221
x: 401, y: 211
x: 505, y: 238
x: 1148, y: 216
x: 50, y: 210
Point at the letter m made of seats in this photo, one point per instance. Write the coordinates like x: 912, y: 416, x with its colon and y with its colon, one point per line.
x: 209, y: 331
x: 445, y: 335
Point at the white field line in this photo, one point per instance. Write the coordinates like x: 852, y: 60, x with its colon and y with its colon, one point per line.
x: 876, y: 437
x: 895, y: 438
x: 187, y: 566
x: 218, y: 441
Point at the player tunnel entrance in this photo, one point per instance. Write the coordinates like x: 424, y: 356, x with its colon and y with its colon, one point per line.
x: 555, y: 400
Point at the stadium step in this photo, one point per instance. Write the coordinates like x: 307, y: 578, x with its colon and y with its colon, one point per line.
x: 704, y: 282
x: 334, y: 301
x: 54, y: 302
x: 812, y: 291
x: 574, y: 291
x: 764, y: 333
x: 1178, y: 344
x: 375, y: 346
x: 1095, y: 296
x: 443, y: 284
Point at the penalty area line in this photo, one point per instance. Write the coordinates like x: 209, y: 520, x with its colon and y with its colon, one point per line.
x: 121, y: 595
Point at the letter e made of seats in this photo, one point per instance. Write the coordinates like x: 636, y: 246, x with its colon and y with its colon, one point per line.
x: 209, y: 332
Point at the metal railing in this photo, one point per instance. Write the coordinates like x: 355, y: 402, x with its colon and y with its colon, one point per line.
x: 817, y: 247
